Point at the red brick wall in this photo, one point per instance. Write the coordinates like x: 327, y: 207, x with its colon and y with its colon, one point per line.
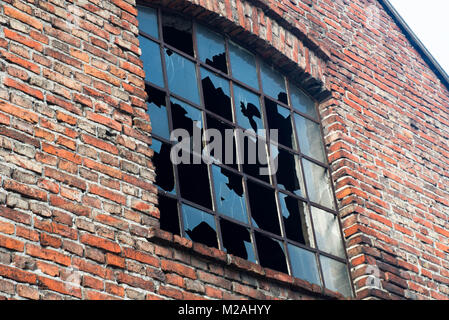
x: 78, y: 214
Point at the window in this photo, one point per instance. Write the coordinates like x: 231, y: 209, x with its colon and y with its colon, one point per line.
x: 197, y: 79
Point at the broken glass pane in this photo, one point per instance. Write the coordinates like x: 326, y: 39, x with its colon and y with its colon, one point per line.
x: 177, y: 32
x: 318, y: 184
x: 237, y: 240
x: 151, y: 58
x: 302, y: 102
x: 158, y: 112
x: 327, y: 231
x: 148, y: 21
x: 211, y: 48
x: 185, y: 116
x: 254, y: 156
x: 243, y: 65
x: 199, y: 226
x: 273, y: 83
x: 289, y: 175
x: 309, y: 137
x: 169, y: 219
x: 280, y: 118
x: 336, y: 276
x: 165, y: 178
x: 271, y: 253
x: 264, y: 212
x: 228, y: 150
x: 181, y: 76
x: 229, y: 194
x: 304, y: 265
x: 247, y: 109
x: 216, y: 94
x: 194, y: 184
x: 296, y: 220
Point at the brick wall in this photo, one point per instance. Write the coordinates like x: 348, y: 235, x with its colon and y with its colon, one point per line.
x: 78, y: 210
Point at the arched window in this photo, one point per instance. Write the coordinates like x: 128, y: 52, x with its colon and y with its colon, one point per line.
x: 197, y: 80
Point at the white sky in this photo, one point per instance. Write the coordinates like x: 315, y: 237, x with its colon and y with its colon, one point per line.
x: 429, y: 20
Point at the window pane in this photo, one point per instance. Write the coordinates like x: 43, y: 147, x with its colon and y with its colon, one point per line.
x: 296, y: 220
x: 181, y: 76
x: 199, y: 226
x: 228, y: 151
x: 288, y: 175
x: 151, y: 58
x: 273, y: 83
x: 243, y: 65
x: 327, y: 231
x: 177, y: 32
x: 309, y: 137
x: 211, y: 48
x: 254, y: 156
x: 304, y: 264
x: 336, y: 276
x: 158, y: 112
x: 264, y: 213
x: 236, y: 240
x: 185, y: 116
x: 216, y: 94
x: 165, y: 178
x: 318, y: 184
x: 229, y: 194
x: 169, y: 214
x: 302, y: 102
x: 148, y: 21
x: 247, y: 109
x: 280, y: 118
x: 194, y: 184
x: 271, y: 253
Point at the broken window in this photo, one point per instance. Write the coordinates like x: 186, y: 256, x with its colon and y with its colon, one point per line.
x: 262, y: 196
x: 158, y: 112
x: 211, y: 49
x: 237, y: 240
x: 199, y: 226
x: 271, y: 253
x: 169, y: 220
x: 177, y: 32
x: 216, y: 94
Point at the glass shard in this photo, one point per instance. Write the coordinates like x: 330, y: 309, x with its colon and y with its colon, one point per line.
x: 296, y: 220
x: 327, y: 231
x: 177, y: 32
x: 181, y: 76
x: 211, y: 49
x: 264, y: 211
x: 271, y: 253
x: 158, y: 112
x: 279, y: 118
x: 148, y: 21
x: 309, y: 137
x: 151, y: 58
x: 273, y: 83
x: 169, y: 219
x: 165, y: 178
x: 304, y: 265
x: 247, y: 107
x: 199, y: 226
x: 243, y: 65
x: 336, y: 277
x: 216, y: 94
x: 229, y: 194
x: 237, y: 240
x: 318, y: 184
x: 302, y: 102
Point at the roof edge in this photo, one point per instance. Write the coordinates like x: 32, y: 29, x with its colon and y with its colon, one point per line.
x: 413, y: 38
